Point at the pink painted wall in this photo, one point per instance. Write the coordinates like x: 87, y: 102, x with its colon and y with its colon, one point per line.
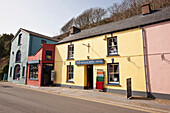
x: 158, y: 42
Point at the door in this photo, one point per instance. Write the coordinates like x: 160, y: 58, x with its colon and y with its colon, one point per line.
x: 90, y: 76
x: 46, y: 77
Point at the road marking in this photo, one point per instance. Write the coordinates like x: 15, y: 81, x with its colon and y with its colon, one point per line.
x: 134, y: 107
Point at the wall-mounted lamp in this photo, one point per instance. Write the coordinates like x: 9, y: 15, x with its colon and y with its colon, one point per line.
x: 128, y: 58
x: 87, y: 46
x: 162, y: 56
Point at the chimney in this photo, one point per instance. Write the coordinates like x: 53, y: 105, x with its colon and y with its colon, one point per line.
x: 146, y: 9
x: 74, y: 30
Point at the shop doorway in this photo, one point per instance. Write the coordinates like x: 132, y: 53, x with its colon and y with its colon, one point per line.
x: 89, y: 76
x: 46, y: 75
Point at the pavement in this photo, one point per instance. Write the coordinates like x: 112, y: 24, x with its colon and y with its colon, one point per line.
x: 156, y: 105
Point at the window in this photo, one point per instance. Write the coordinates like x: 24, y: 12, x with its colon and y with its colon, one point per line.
x: 33, y: 72
x: 70, y: 73
x: 48, y: 55
x: 113, y: 74
x: 70, y: 51
x: 23, y: 71
x: 112, y: 46
x: 19, y: 39
x: 43, y: 42
x: 16, y: 72
x: 18, y: 56
x: 11, y: 72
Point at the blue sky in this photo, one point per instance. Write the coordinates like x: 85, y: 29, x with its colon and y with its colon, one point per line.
x: 43, y: 16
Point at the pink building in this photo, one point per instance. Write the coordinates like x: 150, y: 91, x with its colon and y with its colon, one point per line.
x: 157, y: 59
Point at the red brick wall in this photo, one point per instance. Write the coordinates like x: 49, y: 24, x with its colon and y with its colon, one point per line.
x: 37, y: 56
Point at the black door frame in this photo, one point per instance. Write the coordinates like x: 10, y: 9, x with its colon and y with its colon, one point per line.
x: 88, y: 78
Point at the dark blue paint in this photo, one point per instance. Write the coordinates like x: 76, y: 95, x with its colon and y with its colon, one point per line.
x: 96, y: 61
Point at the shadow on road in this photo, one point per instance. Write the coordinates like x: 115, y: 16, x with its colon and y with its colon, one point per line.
x: 141, y: 98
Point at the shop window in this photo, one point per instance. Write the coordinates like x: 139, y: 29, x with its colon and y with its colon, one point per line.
x: 112, y: 46
x: 43, y: 42
x: 113, y: 74
x: 11, y: 72
x: 48, y: 55
x: 70, y: 73
x: 33, y: 74
x: 23, y: 71
x: 70, y: 51
x: 19, y: 39
x: 18, y: 56
x: 16, y: 72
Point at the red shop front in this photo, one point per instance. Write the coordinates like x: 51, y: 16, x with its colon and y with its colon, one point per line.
x: 40, y: 66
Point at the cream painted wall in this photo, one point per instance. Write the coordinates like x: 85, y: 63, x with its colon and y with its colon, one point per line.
x: 130, y: 44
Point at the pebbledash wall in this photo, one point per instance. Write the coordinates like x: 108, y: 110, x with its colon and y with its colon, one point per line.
x: 23, y: 47
x: 30, y: 43
x: 130, y: 59
x: 157, y: 38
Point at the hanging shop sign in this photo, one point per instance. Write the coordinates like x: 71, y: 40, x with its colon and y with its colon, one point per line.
x: 52, y: 75
x: 34, y: 62
x: 95, y: 61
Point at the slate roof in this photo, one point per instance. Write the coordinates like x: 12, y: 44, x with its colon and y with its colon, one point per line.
x: 133, y: 22
x: 36, y: 34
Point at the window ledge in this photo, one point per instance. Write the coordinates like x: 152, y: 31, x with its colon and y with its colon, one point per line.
x: 113, y: 55
x: 69, y: 81
x: 113, y: 84
x: 34, y: 79
x: 70, y: 59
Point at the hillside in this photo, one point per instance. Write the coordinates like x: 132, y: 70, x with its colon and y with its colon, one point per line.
x: 5, y: 46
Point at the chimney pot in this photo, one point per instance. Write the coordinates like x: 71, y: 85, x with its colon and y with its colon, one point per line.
x: 74, y: 30
x: 146, y: 9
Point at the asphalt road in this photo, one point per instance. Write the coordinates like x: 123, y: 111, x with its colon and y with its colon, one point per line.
x: 20, y: 100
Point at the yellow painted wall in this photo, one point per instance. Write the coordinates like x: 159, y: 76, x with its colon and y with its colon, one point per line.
x: 130, y: 44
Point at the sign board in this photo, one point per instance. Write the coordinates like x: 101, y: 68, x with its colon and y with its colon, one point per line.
x: 100, y: 72
x: 52, y: 75
x: 95, y: 61
x: 129, y: 89
x: 34, y: 62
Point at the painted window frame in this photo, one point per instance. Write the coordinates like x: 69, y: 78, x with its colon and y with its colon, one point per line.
x: 33, y: 72
x: 112, y: 42
x: 18, y: 57
x: 114, y: 82
x: 19, y: 39
x: 10, y: 72
x: 71, y: 51
x: 17, y: 77
x: 70, y: 72
x: 23, y: 71
x: 51, y: 54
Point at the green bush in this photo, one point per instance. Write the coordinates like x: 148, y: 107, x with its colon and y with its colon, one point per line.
x: 4, y: 70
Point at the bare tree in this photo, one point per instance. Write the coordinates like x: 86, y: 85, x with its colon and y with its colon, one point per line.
x: 67, y: 26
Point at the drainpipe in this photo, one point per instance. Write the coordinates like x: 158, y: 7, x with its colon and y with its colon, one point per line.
x: 143, y: 38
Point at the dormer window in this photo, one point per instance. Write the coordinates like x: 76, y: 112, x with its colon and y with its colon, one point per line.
x: 70, y: 51
x: 18, y: 56
x: 19, y: 39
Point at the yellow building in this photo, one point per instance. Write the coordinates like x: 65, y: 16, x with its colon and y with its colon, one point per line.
x: 119, y: 54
